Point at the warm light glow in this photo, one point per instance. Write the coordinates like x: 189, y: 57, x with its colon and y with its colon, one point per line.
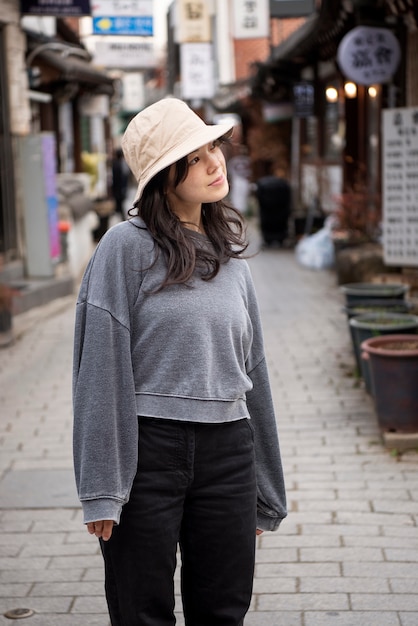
x: 331, y: 94
x: 350, y: 90
x: 372, y: 91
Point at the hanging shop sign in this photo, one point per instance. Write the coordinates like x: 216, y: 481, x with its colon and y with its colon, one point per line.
x: 121, y: 7
x: 133, y: 91
x: 251, y: 19
x: 122, y: 17
x: 369, y: 55
x: 123, y: 25
x: 304, y: 99
x: 57, y: 8
x: 193, y: 21
x: 124, y: 53
x: 196, y: 68
x: 400, y: 186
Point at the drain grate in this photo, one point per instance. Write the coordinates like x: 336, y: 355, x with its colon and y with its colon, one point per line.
x: 19, y: 613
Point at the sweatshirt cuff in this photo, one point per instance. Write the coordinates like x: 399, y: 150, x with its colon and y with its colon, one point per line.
x: 101, y: 509
x: 265, y: 522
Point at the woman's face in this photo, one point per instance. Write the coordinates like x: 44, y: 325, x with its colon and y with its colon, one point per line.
x: 206, y: 179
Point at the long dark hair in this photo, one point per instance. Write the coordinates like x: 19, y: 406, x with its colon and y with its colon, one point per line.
x: 224, y: 226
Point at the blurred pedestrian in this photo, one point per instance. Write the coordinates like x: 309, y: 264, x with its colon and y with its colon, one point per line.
x: 120, y: 178
x: 175, y: 438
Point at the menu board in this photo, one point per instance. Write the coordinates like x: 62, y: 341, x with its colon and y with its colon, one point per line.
x: 400, y: 186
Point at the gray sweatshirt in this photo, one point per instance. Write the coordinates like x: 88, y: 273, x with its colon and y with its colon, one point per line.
x: 190, y: 353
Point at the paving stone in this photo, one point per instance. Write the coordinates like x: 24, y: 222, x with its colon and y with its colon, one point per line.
x: 352, y: 618
x: 303, y: 602
x: 270, y: 618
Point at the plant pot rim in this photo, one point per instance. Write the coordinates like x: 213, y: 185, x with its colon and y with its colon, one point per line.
x: 376, y: 346
x: 378, y: 302
x: 360, y: 289
x: 371, y: 320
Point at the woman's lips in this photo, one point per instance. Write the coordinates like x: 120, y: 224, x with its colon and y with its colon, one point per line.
x: 219, y: 181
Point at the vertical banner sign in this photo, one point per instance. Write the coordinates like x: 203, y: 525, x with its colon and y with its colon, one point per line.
x: 251, y: 19
x: 196, y: 67
x: 49, y: 174
x: 304, y: 99
x: 400, y: 186
x: 193, y: 21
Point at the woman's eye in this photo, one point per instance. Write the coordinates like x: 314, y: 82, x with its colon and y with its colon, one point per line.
x: 194, y: 161
x: 215, y: 144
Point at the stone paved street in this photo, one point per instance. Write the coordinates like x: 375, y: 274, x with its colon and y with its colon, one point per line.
x: 347, y: 555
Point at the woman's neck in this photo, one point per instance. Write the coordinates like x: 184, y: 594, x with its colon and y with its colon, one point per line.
x: 192, y: 220
x: 192, y: 226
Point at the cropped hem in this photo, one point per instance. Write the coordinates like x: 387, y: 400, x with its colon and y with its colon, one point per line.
x: 191, y: 409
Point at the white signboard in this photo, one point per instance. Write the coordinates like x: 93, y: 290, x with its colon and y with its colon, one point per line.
x: 133, y: 91
x: 196, y: 67
x: 368, y: 55
x: 124, y: 53
x: 251, y: 19
x: 400, y: 186
x: 121, y: 7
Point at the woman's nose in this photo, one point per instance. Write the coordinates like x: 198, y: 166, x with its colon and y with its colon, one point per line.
x: 215, y: 160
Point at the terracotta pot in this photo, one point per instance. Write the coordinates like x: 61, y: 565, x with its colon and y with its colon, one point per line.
x: 374, y: 325
x: 393, y: 361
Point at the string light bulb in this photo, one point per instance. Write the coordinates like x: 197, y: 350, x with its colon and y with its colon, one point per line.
x: 331, y: 94
x: 350, y: 90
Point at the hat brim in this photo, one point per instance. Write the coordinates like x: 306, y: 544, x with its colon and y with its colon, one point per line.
x: 196, y: 140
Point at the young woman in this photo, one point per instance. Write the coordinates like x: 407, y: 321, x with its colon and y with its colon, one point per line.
x: 175, y: 439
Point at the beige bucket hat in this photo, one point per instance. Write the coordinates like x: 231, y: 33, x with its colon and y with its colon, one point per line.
x: 162, y: 134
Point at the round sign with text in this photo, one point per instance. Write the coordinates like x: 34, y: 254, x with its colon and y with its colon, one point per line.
x: 369, y: 55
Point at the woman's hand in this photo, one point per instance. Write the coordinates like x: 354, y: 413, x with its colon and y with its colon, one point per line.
x: 259, y: 532
x: 102, y: 528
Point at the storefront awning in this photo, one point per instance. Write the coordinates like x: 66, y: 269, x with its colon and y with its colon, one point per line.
x: 70, y: 63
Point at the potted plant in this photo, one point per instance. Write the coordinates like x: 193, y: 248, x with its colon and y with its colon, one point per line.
x: 393, y: 364
x: 357, y: 293
x: 368, y: 325
x: 357, y: 217
x: 356, y: 233
x: 377, y: 305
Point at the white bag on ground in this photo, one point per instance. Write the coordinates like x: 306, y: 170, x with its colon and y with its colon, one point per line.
x: 316, y: 251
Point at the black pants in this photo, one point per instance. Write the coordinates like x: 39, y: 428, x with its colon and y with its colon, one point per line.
x: 195, y: 486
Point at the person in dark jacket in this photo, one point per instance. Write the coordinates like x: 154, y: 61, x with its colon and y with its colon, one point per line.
x: 120, y: 178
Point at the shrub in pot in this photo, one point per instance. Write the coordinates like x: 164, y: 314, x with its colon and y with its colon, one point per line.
x: 393, y: 365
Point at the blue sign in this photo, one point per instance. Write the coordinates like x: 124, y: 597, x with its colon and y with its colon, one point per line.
x: 123, y: 25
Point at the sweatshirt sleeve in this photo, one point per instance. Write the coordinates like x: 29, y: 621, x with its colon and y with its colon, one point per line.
x: 271, y: 495
x: 105, y: 436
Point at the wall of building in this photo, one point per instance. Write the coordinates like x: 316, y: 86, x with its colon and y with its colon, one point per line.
x: 16, y: 68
